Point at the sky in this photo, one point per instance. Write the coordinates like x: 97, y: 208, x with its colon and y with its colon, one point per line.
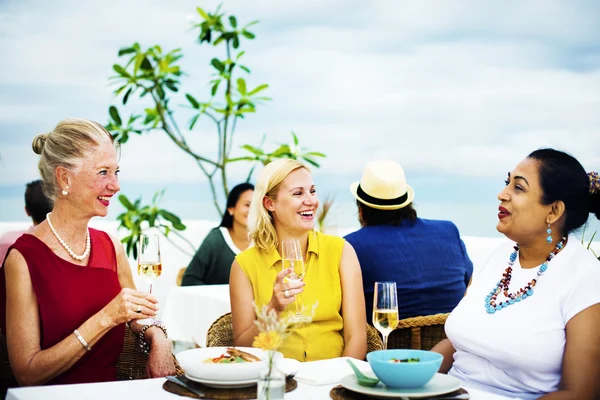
x: 457, y: 92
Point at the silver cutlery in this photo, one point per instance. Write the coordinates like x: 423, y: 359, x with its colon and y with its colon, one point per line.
x: 178, y: 381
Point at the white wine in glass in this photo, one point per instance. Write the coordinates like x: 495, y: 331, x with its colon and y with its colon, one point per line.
x: 291, y: 257
x: 149, y: 263
x: 385, y: 309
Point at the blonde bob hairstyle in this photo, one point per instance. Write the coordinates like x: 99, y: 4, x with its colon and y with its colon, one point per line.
x: 69, y: 143
x: 260, y: 221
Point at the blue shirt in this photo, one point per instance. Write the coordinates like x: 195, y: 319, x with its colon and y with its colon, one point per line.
x: 427, y: 260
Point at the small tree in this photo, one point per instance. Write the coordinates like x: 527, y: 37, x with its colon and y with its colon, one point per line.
x: 154, y: 74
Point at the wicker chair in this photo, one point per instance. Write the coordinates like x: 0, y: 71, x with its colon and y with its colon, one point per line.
x: 220, y: 333
x: 130, y: 365
x: 179, y: 277
x: 418, y: 333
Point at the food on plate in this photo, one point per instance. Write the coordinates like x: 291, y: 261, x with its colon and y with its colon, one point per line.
x: 232, y: 356
x: 403, y: 360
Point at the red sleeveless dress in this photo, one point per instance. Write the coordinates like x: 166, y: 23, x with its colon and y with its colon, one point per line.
x: 68, y: 295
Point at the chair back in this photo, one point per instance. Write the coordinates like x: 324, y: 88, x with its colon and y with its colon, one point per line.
x: 179, y: 277
x: 418, y: 333
x: 220, y: 334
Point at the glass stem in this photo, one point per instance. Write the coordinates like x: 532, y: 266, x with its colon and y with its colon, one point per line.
x: 385, y: 338
x: 150, y: 291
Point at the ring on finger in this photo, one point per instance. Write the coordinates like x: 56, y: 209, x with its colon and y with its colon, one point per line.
x: 139, y: 310
x: 286, y: 293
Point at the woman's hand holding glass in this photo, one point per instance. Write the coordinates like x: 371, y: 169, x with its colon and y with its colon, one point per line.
x: 385, y: 309
x: 124, y: 307
x: 284, y: 293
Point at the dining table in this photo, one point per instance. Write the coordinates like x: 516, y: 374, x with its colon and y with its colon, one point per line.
x: 315, y: 380
x: 190, y: 310
x: 152, y: 389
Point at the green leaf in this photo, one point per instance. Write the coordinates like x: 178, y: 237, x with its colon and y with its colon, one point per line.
x: 236, y: 42
x: 233, y: 21
x: 127, y: 96
x: 248, y: 35
x: 241, y: 86
x: 245, y: 68
x: 217, y: 64
x: 253, y: 150
x: 126, y: 50
x: 146, y: 64
x: 315, y: 154
x: 295, y: 139
x: 311, y: 161
x: 126, y: 203
x: 240, y: 54
x: 121, y: 71
x: 114, y: 113
x: 160, y: 91
x: 193, y: 121
x: 202, y: 13
x: 258, y: 89
x: 215, y: 87
x: 192, y: 100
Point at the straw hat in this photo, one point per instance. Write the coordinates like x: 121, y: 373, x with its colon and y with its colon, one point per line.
x: 383, y: 186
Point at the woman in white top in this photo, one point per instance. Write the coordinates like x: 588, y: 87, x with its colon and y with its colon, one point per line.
x: 529, y: 325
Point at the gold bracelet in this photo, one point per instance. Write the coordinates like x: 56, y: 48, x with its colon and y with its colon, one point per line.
x: 82, y: 340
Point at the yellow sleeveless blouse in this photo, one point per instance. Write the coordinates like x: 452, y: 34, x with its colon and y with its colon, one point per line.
x: 322, y: 338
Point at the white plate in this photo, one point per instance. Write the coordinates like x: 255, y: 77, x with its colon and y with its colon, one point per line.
x: 222, y: 384
x: 439, y: 384
x: 192, y: 362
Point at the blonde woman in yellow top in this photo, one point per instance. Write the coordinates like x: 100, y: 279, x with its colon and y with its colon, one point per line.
x: 284, y: 207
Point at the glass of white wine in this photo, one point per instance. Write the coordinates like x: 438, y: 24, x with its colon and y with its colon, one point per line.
x: 291, y: 257
x: 385, y: 309
x: 149, y: 263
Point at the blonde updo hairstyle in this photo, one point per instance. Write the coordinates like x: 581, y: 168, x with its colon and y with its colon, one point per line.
x: 70, y: 142
x: 260, y: 221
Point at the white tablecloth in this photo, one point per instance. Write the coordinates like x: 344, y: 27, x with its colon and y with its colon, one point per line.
x: 190, y: 310
x: 151, y: 389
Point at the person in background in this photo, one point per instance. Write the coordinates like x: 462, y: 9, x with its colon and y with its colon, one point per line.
x: 529, y: 325
x: 37, y: 206
x: 426, y: 258
x: 212, y: 262
x: 66, y: 290
x: 284, y: 207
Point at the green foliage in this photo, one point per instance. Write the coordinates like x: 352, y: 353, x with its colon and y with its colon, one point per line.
x: 154, y: 75
x: 136, y: 218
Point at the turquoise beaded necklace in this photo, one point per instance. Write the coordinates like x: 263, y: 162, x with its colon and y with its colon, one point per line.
x: 524, y: 292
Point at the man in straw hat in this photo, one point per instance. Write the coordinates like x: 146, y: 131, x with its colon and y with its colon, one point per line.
x: 426, y: 258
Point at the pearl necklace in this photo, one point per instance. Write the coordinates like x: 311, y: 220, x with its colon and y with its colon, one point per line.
x: 88, y: 243
x: 524, y: 292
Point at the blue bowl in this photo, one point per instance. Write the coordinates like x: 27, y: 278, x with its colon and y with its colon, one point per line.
x: 405, y: 375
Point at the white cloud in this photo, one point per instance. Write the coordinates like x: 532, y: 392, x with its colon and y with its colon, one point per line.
x: 462, y: 87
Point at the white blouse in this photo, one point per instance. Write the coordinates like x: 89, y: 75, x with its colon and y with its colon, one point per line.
x: 518, y: 351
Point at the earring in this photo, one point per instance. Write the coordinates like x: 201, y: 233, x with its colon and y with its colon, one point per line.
x: 65, y: 191
x: 549, y: 232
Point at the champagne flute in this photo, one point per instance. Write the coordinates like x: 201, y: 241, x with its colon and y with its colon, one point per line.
x: 291, y: 257
x: 385, y: 309
x: 149, y: 263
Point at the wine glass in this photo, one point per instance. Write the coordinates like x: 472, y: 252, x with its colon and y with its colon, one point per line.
x: 385, y: 309
x: 291, y: 257
x: 149, y: 263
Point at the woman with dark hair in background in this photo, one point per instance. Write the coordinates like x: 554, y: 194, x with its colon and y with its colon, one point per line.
x: 529, y: 325
x: 212, y: 262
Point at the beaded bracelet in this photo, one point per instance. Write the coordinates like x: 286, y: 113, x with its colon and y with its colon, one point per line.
x: 143, y: 344
x: 82, y: 340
